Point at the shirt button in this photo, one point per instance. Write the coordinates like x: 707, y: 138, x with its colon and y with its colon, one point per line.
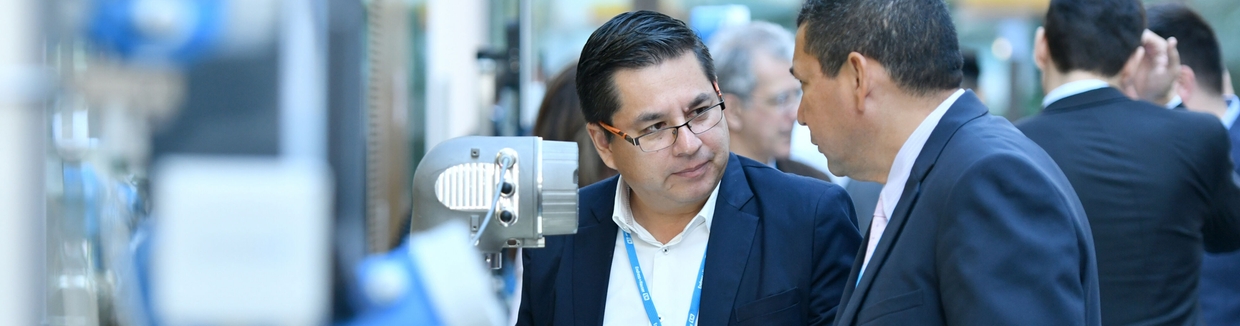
x: 664, y: 251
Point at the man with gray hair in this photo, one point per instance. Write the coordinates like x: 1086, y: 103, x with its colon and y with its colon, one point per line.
x: 751, y: 62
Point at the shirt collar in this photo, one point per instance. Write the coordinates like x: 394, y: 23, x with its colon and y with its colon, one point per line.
x: 1072, y: 88
x: 903, y: 164
x: 622, y: 214
x: 1233, y: 111
x: 1174, y: 102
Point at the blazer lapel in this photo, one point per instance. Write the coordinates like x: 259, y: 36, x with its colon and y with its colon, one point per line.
x: 890, y: 234
x: 966, y: 108
x: 593, y: 247
x: 847, y: 308
x: 727, y: 252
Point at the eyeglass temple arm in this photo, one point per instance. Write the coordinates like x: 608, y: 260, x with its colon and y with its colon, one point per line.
x: 618, y: 132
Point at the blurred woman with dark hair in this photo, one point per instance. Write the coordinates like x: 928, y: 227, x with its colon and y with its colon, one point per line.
x: 560, y: 118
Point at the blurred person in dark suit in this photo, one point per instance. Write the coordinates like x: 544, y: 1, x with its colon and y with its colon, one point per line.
x: 1202, y: 85
x: 972, y: 74
x: 752, y: 63
x: 1156, y: 183
x: 975, y: 224
x: 559, y: 118
x: 687, y: 233
x: 1201, y: 88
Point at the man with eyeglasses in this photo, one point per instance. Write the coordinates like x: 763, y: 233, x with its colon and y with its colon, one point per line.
x: 687, y: 233
x: 752, y: 62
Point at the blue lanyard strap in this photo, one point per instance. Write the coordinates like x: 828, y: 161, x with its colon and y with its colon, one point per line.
x: 648, y: 301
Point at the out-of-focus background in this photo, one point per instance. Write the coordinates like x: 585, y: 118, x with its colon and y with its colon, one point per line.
x: 238, y: 161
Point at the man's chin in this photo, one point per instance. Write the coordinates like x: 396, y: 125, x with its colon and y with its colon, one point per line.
x: 701, y: 186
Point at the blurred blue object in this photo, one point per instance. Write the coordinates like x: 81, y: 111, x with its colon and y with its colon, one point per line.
x: 82, y: 188
x: 140, y: 245
x: 706, y: 20
x: 156, y: 31
x: 392, y: 292
x: 435, y: 277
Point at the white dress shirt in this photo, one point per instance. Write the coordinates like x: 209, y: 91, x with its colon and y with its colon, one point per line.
x: 903, y: 164
x: 1229, y: 116
x: 1174, y: 102
x: 1072, y: 88
x: 670, y: 269
x: 1233, y: 111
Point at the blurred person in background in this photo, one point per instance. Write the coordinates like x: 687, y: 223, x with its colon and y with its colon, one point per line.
x: 1201, y: 87
x: 971, y: 74
x: 1228, y: 92
x: 975, y: 225
x: 1203, y: 84
x: 559, y: 118
x: 1156, y: 183
x: 752, y: 63
x: 761, y: 246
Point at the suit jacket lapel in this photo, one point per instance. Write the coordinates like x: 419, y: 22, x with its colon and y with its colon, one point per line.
x: 966, y: 108
x: 848, y: 307
x: 895, y: 225
x: 593, y: 247
x: 727, y: 252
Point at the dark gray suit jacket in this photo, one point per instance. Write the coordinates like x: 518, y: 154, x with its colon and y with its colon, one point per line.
x: 865, y: 199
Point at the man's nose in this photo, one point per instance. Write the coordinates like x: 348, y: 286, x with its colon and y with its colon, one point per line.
x: 686, y: 141
x: 801, y: 113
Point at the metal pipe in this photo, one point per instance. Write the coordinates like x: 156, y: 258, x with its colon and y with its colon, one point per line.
x: 21, y: 164
x: 525, y: 32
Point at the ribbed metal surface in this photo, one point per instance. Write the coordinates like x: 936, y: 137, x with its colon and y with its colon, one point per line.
x: 558, y: 207
x: 387, y: 150
x: 469, y: 186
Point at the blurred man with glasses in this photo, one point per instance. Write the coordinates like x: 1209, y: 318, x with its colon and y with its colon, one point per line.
x: 752, y: 62
x: 687, y: 233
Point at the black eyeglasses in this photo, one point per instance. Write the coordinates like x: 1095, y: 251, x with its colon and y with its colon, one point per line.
x: 704, y: 118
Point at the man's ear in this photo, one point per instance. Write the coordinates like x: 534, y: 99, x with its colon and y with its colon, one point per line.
x: 1186, y: 83
x: 856, y: 71
x: 598, y: 136
x: 1041, y: 53
x: 1132, y: 68
x: 735, y: 106
x: 1131, y: 77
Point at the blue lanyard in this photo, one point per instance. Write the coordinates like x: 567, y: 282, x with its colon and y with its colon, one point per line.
x: 649, y: 302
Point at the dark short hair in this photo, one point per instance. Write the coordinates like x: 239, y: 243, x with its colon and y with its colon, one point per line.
x: 631, y: 40
x: 914, y: 40
x: 1093, y: 35
x: 1198, y: 47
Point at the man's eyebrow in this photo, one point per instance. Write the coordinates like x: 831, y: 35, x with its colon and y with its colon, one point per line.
x: 699, y: 100
x: 648, y: 117
x: 643, y: 118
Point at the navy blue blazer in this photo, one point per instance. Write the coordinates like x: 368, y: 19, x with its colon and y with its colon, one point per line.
x: 1220, y: 286
x: 1157, y: 187
x: 1234, y: 135
x: 780, y: 247
x: 988, y: 231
